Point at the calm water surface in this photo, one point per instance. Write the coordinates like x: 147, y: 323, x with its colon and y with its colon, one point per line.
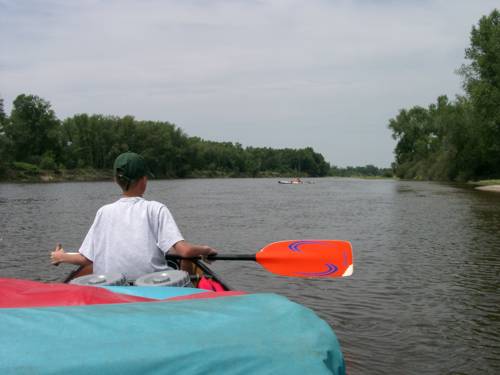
x: 425, y: 293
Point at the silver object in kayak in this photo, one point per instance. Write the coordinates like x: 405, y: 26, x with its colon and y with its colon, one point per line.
x: 108, y: 279
x: 165, y: 278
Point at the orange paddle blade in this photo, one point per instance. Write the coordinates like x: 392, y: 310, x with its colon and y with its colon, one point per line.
x: 307, y: 258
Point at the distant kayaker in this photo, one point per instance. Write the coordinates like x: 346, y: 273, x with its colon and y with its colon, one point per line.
x: 131, y: 235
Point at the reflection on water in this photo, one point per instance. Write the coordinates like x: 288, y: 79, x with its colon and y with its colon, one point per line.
x: 424, y: 297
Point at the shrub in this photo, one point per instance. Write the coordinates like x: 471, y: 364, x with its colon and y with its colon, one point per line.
x: 48, y: 162
x: 26, y: 167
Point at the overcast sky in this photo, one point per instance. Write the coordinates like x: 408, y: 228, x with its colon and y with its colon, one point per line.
x: 325, y: 74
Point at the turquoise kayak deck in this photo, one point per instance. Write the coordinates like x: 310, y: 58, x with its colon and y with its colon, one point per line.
x: 246, y: 334
x: 155, y: 292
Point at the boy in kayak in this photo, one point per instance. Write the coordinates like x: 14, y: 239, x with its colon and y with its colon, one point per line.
x: 132, y: 235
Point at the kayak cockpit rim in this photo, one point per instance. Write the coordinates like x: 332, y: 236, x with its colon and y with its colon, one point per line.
x: 197, y: 270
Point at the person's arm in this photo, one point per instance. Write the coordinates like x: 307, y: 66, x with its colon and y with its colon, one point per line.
x: 189, y: 250
x: 60, y: 256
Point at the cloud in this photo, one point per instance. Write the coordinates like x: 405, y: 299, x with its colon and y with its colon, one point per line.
x: 326, y: 74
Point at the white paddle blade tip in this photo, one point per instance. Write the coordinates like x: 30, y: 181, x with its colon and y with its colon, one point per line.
x: 348, y: 271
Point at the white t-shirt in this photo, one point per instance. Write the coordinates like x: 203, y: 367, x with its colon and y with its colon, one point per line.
x: 130, y: 236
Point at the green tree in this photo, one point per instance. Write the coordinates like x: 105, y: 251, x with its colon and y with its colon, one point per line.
x: 412, y: 131
x: 155, y: 141
x: 438, y: 142
x: 457, y: 140
x: 3, y: 117
x: 95, y: 141
x: 482, y: 83
x: 33, y: 129
x: 4, y: 142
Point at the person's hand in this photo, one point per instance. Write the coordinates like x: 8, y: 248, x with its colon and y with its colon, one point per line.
x: 208, y: 251
x: 56, y: 256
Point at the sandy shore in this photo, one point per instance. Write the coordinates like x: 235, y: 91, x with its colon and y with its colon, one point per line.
x: 489, y: 188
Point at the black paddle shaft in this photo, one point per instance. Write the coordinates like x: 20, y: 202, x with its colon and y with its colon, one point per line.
x: 214, y: 257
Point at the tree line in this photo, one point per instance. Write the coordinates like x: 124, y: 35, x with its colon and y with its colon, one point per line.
x: 32, y: 138
x: 457, y: 139
x: 366, y: 171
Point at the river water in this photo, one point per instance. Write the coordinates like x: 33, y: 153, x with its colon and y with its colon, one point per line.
x: 425, y: 293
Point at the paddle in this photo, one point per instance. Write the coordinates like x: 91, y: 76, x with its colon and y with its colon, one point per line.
x: 299, y: 258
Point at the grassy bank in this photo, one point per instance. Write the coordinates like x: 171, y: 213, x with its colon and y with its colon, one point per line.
x: 29, y: 173
x: 485, y: 182
x: 486, y: 185
x: 25, y: 172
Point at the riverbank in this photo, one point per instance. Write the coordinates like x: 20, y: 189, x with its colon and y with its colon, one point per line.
x: 487, y: 185
x: 495, y: 188
x: 32, y: 174
x: 24, y: 172
x: 61, y: 175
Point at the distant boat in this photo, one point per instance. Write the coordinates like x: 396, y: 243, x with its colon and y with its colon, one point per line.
x: 292, y: 182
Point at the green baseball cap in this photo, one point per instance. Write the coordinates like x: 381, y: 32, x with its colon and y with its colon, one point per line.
x: 131, y: 166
